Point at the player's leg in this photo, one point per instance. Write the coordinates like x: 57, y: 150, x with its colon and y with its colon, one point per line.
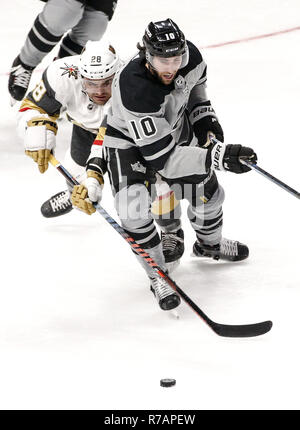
x: 49, y: 26
x: 91, y: 26
x: 166, y: 211
x: 133, y: 204
x: 206, y: 217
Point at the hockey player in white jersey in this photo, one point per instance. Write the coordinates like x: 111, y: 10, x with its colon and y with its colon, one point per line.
x: 161, y: 120
x: 81, y: 85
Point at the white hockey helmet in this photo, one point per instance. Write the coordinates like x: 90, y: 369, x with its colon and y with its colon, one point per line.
x: 98, y: 60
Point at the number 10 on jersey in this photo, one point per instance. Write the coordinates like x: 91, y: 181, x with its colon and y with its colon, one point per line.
x: 145, y: 127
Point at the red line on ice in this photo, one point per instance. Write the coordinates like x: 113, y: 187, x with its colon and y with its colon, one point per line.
x: 247, y: 39
x: 231, y: 42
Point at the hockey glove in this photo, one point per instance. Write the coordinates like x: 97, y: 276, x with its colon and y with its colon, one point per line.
x: 205, y: 123
x: 89, y: 192
x: 208, y: 127
x: 39, y: 140
x: 226, y: 157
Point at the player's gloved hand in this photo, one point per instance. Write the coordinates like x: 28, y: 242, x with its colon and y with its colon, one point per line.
x: 205, y: 122
x: 208, y: 127
x: 39, y: 140
x: 89, y: 192
x: 227, y: 157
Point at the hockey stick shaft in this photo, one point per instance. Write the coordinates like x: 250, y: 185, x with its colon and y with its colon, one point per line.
x: 271, y: 178
x: 226, y: 330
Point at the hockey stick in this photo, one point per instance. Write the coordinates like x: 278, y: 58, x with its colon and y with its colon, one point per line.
x: 225, y: 330
x: 272, y: 178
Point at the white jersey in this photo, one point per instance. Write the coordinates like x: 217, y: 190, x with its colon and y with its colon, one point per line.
x: 61, y: 90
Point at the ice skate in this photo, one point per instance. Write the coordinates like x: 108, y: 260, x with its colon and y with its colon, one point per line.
x: 173, y: 245
x: 57, y: 205
x: 165, y: 295
x: 19, y: 79
x: 230, y: 250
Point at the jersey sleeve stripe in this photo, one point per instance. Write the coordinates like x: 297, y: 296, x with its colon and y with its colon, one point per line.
x: 155, y: 147
x: 113, y: 132
x: 158, y: 153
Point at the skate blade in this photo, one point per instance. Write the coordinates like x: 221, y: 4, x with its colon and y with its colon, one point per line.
x: 172, y: 266
x: 193, y: 255
x: 174, y: 314
x: 12, y: 101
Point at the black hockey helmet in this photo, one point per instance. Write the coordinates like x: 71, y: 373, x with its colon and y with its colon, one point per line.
x: 165, y: 39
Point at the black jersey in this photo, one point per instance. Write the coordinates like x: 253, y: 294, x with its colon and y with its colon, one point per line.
x: 153, y: 117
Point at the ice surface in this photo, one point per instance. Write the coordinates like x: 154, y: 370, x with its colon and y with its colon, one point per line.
x: 79, y: 328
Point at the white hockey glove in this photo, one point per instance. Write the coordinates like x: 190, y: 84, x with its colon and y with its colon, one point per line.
x: 39, y: 139
x: 89, y: 192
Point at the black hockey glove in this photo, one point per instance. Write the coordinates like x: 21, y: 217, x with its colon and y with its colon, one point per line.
x: 226, y: 157
x: 232, y: 155
x: 206, y: 126
x: 205, y: 123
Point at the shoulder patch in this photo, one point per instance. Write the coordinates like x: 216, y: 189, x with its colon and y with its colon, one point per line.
x: 71, y: 71
x: 43, y: 95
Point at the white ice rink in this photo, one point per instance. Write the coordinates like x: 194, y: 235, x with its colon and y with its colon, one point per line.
x: 79, y: 328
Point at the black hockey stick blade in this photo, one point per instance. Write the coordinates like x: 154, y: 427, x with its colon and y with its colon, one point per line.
x: 246, y: 330
x: 225, y: 330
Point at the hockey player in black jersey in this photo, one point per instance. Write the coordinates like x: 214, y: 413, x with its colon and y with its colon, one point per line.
x: 162, y: 121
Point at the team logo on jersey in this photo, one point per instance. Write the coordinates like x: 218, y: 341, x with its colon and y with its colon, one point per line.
x: 180, y: 84
x: 138, y: 167
x: 70, y: 71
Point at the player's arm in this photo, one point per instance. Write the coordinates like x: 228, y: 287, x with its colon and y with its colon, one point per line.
x: 159, y: 149
x: 201, y: 113
x: 37, y: 122
x: 202, y: 116
x: 155, y: 139
x: 85, y: 195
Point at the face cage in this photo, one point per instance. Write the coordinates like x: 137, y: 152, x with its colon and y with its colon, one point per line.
x: 185, y: 57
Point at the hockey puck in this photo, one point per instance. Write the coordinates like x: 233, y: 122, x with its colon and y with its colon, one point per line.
x: 167, y: 382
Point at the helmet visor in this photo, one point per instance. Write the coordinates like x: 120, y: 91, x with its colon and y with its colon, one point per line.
x: 183, y: 58
x: 91, y: 85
